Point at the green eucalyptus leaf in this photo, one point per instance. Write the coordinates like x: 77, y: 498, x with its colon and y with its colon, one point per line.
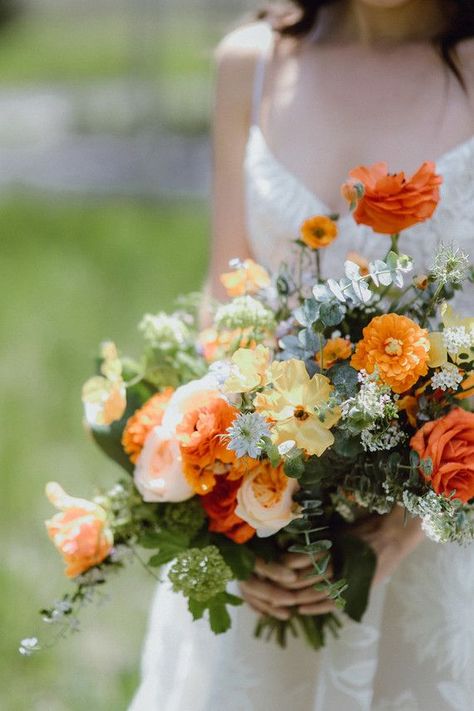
x: 331, y: 314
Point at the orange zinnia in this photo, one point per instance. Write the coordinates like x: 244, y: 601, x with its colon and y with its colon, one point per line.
x: 141, y: 423
x: 220, y: 507
x: 397, y: 347
x: 203, y: 444
x: 334, y: 350
x: 390, y: 202
x: 318, y: 231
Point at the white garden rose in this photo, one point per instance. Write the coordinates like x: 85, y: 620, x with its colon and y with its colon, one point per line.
x: 265, y: 499
x: 158, y: 472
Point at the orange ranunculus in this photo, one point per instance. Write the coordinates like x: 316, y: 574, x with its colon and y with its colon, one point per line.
x: 248, y: 278
x: 334, y: 350
x: 220, y: 507
x: 318, y: 231
x: 397, y: 347
x: 140, y: 424
x: 203, y: 444
x: 390, y: 202
x: 79, y: 532
x: 449, y: 443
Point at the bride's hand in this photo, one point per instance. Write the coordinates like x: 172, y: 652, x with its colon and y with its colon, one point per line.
x: 275, y: 588
x: 391, y: 538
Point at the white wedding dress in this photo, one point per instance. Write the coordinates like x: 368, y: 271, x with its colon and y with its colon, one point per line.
x: 414, y: 650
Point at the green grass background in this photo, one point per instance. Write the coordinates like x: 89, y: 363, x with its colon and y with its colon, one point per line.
x: 73, y: 274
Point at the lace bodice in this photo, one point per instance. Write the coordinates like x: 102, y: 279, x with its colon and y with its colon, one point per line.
x: 277, y: 203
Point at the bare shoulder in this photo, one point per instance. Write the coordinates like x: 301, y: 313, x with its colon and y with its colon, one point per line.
x: 242, y: 46
x: 236, y: 59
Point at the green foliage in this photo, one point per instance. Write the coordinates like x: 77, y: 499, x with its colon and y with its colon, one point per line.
x: 186, y: 517
x: 239, y: 558
x: 344, y: 379
x: 216, y: 606
x: 169, y: 545
x: 354, y: 562
x: 200, y: 573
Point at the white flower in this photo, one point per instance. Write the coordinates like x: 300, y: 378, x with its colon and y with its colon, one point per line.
x: 374, y: 440
x: 246, y: 433
x: 265, y: 500
x: 448, y: 378
x: 28, y: 646
x: 159, y: 473
x: 164, y: 332
x: 244, y: 312
x: 457, y: 339
x: 450, y: 264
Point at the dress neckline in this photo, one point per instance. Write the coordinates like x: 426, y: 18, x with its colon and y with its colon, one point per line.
x: 257, y: 133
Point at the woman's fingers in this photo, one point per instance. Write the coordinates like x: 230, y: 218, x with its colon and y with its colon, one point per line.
x: 295, y: 561
x: 319, y: 608
x: 275, y: 571
x: 264, y: 608
x: 268, y: 592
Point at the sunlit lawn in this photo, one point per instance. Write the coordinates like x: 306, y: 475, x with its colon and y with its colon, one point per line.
x: 71, y: 275
x: 76, y: 46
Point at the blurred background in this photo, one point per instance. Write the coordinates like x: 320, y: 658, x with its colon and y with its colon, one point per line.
x: 104, y: 181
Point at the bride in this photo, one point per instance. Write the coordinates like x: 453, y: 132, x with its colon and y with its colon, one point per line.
x: 302, y: 97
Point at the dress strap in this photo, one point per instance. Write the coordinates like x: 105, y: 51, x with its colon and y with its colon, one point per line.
x: 259, y: 77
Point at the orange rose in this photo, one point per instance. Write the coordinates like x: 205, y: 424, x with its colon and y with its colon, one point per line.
x: 449, y: 443
x: 79, y: 532
x: 318, y: 231
x: 391, y: 203
x: 334, y: 350
x: 249, y: 278
x: 397, y: 347
x: 142, y: 422
x: 220, y: 507
x: 217, y: 345
x: 203, y: 445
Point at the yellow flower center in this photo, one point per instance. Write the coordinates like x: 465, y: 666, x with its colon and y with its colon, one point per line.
x: 300, y: 413
x: 393, y: 346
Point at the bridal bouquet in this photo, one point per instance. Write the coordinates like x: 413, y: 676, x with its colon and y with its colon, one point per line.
x: 309, y: 403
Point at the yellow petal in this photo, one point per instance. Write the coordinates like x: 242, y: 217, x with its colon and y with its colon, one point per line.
x: 438, y: 354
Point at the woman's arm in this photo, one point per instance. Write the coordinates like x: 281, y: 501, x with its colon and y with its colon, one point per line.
x: 236, y: 59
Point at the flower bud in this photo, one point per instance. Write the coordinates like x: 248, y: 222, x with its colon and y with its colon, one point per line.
x: 352, y: 191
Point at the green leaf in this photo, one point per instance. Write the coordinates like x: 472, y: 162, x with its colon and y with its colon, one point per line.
x: 219, y: 617
x: 345, y: 445
x: 344, y: 378
x: 355, y: 562
x: 169, y: 546
x: 308, y: 313
x: 294, y: 465
x: 271, y: 450
x: 331, y: 314
x: 239, y: 558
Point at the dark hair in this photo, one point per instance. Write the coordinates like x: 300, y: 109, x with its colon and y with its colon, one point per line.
x: 460, y: 25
